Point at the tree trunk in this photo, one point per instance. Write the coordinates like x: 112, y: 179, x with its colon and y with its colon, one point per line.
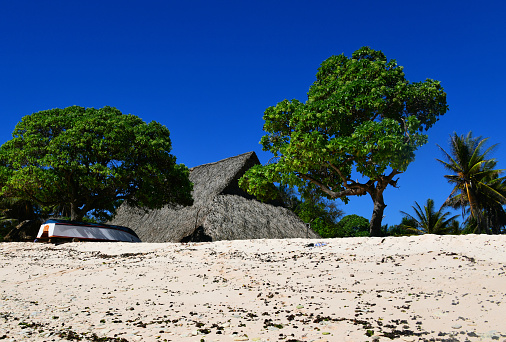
x: 377, y: 216
x: 74, y: 212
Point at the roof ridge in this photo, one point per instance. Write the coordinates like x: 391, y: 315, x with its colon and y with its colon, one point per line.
x: 222, y: 160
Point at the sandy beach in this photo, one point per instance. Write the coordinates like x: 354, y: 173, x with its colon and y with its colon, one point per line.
x: 424, y: 288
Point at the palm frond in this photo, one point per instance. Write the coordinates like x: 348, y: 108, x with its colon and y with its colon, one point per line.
x: 430, y: 221
x: 477, y: 184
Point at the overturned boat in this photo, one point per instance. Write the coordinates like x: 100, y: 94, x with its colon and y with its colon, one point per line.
x: 80, y: 231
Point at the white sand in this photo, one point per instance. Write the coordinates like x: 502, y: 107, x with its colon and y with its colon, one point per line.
x: 427, y: 288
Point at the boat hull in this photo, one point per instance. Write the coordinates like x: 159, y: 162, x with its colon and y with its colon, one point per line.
x: 60, y: 229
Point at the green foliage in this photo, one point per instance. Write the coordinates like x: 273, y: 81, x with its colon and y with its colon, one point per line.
x: 258, y: 183
x: 479, y: 188
x: 77, y: 161
x: 455, y: 228
x: 352, y: 226
x: 430, y: 221
x: 402, y: 229
x: 320, y: 213
x: 470, y: 226
x: 361, y: 114
x: 322, y: 217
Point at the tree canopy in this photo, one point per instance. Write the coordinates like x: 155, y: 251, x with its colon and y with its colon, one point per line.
x: 352, y: 225
x: 76, y: 161
x: 361, y: 114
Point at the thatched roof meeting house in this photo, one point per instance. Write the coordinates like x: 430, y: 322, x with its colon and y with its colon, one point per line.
x: 221, y: 210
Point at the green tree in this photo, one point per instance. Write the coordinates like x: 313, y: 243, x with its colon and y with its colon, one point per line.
x: 320, y: 213
x: 430, y: 221
x: 478, y: 187
x: 14, y: 210
x: 361, y: 114
x: 455, y: 229
x: 496, y: 219
x: 402, y: 229
x: 494, y: 201
x: 352, y: 225
x: 78, y: 161
x: 494, y: 216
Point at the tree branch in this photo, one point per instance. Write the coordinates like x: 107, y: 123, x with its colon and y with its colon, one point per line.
x: 358, y: 190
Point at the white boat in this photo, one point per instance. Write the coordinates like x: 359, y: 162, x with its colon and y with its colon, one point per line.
x: 72, y: 230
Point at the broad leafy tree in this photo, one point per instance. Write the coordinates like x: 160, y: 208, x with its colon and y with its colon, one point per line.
x: 478, y: 187
x: 429, y: 221
x: 76, y: 162
x: 352, y: 225
x: 361, y: 114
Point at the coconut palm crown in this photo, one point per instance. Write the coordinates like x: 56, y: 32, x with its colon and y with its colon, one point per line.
x: 430, y: 221
x: 479, y: 188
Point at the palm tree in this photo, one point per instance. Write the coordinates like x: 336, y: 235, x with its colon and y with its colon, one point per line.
x: 430, y: 221
x: 405, y: 228
x: 493, y: 202
x: 478, y: 186
x: 455, y: 228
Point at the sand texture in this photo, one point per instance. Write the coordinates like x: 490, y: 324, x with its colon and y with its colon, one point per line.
x: 425, y: 288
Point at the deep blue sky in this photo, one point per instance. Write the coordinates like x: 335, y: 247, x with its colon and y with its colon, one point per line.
x: 208, y: 69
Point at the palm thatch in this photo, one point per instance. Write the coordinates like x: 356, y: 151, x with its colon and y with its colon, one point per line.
x: 221, y: 210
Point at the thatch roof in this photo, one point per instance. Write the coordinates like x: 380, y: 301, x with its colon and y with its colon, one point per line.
x: 221, y: 210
